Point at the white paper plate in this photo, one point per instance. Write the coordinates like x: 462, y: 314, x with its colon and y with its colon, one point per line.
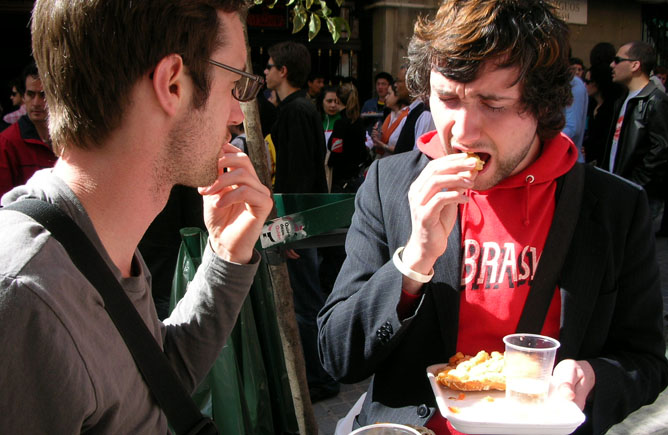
x: 476, y: 413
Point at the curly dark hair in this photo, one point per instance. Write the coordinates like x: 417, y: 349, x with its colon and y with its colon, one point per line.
x: 525, y: 34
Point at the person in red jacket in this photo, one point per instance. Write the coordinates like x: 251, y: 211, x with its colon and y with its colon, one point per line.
x: 25, y: 145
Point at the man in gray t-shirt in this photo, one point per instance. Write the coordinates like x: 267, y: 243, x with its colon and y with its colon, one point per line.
x: 128, y: 120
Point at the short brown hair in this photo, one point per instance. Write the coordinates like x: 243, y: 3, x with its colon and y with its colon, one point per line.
x: 295, y: 57
x: 645, y: 53
x: 513, y: 33
x: 91, y: 53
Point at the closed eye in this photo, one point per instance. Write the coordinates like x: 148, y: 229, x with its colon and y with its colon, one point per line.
x: 492, y: 108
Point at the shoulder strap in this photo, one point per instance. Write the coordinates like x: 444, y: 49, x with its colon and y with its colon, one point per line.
x: 569, y: 200
x: 181, y: 411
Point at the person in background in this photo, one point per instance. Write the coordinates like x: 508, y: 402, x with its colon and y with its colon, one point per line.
x: 438, y: 251
x: 637, y: 143
x: 314, y: 85
x: 576, y: 115
x: 658, y: 77
x: 661, y: 72
x: 349, y: 155
x: 385, y: 136
x: 577, y: 67
x: 418, y: 120
x: 330, y: 110
x: 375, y: 108
x: 25, y: 146
x: 299, y: 141
x: 602, y: 95
x: 376, y: 104
x: 16, y: 96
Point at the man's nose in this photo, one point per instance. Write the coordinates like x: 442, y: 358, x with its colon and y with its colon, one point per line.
x: 466, y: 127
x: 236, y: 114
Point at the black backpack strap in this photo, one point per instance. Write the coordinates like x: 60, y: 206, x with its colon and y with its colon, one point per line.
x: 569, y: 200
x: 182, y: 413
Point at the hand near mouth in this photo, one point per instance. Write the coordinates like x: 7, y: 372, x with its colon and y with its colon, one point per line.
x: 433, y: 199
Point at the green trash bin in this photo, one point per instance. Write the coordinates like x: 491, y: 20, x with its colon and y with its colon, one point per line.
x: 236, y: 393
x: 248, y: 391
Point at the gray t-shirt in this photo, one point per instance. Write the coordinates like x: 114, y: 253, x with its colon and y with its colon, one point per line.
x: 64, y: 367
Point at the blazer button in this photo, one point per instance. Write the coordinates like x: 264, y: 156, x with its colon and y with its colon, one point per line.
x: 422, y: 411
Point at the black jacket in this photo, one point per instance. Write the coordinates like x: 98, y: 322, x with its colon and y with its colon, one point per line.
x: 300, y: 146
x: 349, y: 152
x: 642, y: 151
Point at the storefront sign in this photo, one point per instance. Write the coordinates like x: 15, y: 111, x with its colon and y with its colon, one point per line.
x: 572, y: 11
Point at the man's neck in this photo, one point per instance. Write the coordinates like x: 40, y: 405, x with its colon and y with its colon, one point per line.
x: 43, y: 131
x: 118, y: 194
x: 285, y: 89
x: 637, y: 83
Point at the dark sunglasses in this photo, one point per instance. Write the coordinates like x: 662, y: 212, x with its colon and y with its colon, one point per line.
x: 247, y: 87
x: 14, y: 93
x: 618, y: 59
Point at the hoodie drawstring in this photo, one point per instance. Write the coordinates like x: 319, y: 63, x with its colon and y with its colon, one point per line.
x: 529, y: 181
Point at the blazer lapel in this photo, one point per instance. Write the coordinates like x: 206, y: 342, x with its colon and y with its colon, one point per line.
x: 445, y: 290
x: 581, y: 278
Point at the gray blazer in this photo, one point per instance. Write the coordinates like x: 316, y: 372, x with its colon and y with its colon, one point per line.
x: 611, y: 302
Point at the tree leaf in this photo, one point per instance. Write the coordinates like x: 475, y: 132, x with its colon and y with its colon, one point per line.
x: 271, y: 6
x: 258, y: 2
x: 341, y: 26
x: 333, y: 29
x: 339, y: 2
x: 309, y: 3
x: 324, y: 10
x: 289, y: 2
x: 299, y: 20
x: 313, y: 27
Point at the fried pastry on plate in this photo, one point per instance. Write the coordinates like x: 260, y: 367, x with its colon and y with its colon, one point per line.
x: 481, y: 372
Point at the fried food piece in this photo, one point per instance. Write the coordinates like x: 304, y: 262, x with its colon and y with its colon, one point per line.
x: 481, y: 372
x: 479, y: 163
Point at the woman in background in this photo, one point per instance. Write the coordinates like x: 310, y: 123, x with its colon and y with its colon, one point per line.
x: 349, y: 154
x: 330, y: 110
x: 385, y: 138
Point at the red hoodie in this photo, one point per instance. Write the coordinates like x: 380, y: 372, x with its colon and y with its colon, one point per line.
x: 503, y: 234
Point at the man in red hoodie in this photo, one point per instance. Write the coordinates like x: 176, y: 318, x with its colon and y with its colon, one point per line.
x: 441, y: 256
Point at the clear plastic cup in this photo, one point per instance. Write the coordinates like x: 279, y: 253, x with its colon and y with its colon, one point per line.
x: 385, y: 429
x: 529, y: 360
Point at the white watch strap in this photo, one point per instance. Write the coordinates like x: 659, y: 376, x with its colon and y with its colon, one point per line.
x: 408, y: 272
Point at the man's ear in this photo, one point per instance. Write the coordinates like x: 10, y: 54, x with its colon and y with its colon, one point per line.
x: 283, y: 71
x: 168, y: 79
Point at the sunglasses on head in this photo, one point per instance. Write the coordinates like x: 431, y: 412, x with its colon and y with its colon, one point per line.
x: 618, y: 59
x: 247, y: 87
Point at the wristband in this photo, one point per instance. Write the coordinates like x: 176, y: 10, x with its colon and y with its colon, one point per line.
x: 407, y: 271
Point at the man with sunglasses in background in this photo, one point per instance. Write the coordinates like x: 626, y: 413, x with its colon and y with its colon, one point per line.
x: 299, y: 139
x: 128, y: 120
x: 25, y: 146
x: 16, y: 96
x: 638, y: 142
